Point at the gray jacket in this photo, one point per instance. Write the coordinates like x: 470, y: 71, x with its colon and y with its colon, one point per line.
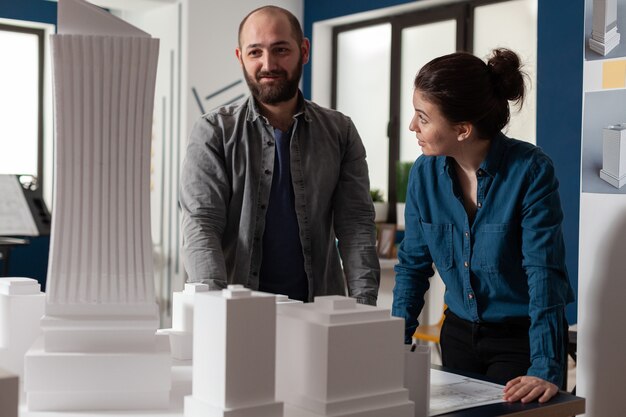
x: 225, y: 187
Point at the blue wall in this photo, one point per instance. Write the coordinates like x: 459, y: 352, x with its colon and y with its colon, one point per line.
x: 42, y: 11
x: 559, y: 96
x: 559, y: 110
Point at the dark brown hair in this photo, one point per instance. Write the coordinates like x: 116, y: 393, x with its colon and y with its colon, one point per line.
x: 466, y: 89
x: 296, y: 29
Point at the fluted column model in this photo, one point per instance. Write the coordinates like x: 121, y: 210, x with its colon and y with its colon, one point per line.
x: 101, y: 248
x: 101, y: 314
x: 604, y: 34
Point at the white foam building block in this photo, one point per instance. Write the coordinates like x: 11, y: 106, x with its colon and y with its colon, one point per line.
x: 99, y: 349
x: 339, y: 358
x: 21, y: 307
x: 417, y: 377
x: 234, y: 355
x: 614, y: 155
x: 604, y: 34
x: 9, y: 394
x: 181, y: 333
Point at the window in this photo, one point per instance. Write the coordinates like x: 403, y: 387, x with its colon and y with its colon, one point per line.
x: 21, y: 101
x: 375, y: 61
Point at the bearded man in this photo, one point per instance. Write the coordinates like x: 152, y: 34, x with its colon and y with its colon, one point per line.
x: 274, y: 188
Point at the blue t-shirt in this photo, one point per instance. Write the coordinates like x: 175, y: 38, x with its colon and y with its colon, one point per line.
x: 282, y: 266
x: 508, y: 263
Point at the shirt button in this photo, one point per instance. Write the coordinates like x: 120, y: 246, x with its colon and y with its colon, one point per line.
x: 263, y: 206
x: 268, y: 172
x: 270, y: 143
x: 479, y: 205
x: 466, y: 234
x: 466, y: 264
x: 470, y: 296
x: 479, y: 173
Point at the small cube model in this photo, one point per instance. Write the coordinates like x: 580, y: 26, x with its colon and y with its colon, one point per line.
x: 21, y: 307
x: 614, y: 155
x: 234, y: 353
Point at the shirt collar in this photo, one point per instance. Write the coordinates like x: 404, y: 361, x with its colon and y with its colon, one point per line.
x: 492, y: 161
x: 254, y: 112
x: 494, y: 158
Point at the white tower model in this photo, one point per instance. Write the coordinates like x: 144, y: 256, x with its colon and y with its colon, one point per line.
x: 99, y: 348
x: 21, y: 307
x: 604, y: 34
x: 339, y: 358
x: 614, y: 155
x: 234, y: 348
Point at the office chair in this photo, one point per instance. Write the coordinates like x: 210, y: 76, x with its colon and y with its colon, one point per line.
x: 430, y: 332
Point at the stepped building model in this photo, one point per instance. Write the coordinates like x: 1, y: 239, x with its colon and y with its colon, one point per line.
x: 99, y: 348
x: 342, y: 359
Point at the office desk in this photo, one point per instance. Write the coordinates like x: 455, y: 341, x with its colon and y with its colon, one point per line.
x: 563, y: 405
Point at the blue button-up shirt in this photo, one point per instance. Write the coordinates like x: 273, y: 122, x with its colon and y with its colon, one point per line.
x: 508, y: 263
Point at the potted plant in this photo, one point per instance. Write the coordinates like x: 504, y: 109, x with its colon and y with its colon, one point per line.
x: 380, y: 205
x: 403, y: 168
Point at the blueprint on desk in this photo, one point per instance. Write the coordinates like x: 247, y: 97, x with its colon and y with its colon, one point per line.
x: 450, y: 392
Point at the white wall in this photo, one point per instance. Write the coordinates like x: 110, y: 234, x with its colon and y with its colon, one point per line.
x: 601, y: 291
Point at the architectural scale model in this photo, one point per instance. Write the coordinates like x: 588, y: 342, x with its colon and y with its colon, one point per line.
x: 234, y: 344
x: 417, y: 377
x: 181, y: 333
x: 614, y: 155
x: 604, y: 34
x: 99, y: 348
x: 21, y: 307
x: 339, y: 358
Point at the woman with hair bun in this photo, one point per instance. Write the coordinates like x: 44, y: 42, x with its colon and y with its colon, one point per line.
x: 485, y: 210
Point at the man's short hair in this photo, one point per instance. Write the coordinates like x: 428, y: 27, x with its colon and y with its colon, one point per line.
x: 296, y: 29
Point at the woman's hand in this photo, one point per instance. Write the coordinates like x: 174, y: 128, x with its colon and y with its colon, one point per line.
x: 529, y: 388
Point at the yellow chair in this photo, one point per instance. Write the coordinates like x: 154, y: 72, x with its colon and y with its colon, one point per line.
x: 431, y: 332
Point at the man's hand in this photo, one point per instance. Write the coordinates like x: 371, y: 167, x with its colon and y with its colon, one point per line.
x: 529, y: 388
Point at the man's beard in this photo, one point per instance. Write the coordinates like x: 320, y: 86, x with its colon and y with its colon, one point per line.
x: 282, y: 89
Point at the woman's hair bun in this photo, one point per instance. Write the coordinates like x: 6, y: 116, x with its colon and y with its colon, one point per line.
x: 506, y: 72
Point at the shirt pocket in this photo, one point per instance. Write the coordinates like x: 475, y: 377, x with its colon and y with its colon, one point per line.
x: 497, y: 247
x: 439, y: 240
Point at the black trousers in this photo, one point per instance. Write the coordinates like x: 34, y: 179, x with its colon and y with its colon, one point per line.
x: 500, y: 351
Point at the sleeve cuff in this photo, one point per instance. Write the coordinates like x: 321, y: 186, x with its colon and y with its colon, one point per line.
x: 547, y: 369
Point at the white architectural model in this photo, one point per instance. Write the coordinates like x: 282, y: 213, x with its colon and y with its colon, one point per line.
x: 99, y: 348
x: 21, y: 307
x: 234, y: 346
x: 181, y: 333
x: 614, y: 155
x: 417, y: 377
x: 604, y: 34
x: 339, y: 358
